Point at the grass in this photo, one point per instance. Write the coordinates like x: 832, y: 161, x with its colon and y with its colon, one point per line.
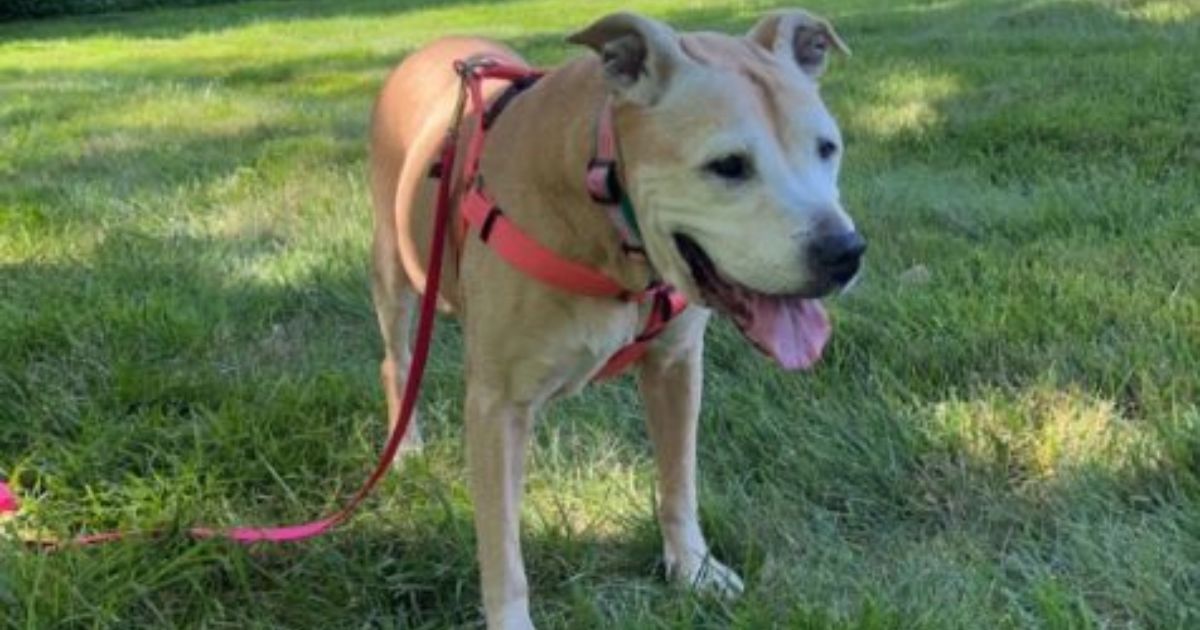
x: 1005, y: 431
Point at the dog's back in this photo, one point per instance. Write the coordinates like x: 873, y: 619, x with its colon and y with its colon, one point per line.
x: 408, y: 124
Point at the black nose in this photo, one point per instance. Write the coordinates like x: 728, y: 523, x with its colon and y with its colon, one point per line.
x: 837, y: 256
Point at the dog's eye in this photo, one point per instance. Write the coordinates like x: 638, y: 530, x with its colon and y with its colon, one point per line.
x: 826, y: 148
x: 734, y: 167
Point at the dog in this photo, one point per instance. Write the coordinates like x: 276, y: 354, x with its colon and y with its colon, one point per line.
x: 729, y: 160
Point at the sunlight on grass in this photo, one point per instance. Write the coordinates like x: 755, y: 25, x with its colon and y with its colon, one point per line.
x: 1043, y: 435
x: 600, y: 502
x: 188, y: 110
x: 905, y: 101
x: 336, y: 84
x: 1161, y: 11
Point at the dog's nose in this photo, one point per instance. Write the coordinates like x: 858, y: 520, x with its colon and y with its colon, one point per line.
x: 837, y: 256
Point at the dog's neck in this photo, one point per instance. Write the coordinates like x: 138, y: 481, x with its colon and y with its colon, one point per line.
x: 535, y: 163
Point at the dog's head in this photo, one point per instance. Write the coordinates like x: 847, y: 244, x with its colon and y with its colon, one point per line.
x: 731, y: 160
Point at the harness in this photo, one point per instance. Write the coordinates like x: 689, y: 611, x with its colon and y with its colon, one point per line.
x: 482, y: 216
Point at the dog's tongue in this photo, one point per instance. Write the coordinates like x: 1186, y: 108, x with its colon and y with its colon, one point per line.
x: 792, y: 330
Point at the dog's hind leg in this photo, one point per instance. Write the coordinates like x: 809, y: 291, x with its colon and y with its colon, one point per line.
x: 671, y: 380
x: 395, y: 302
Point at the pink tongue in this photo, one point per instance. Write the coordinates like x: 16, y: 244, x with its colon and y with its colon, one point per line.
x: 793, y: 331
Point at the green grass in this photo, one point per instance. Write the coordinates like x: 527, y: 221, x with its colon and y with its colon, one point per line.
x: 1005, y: 431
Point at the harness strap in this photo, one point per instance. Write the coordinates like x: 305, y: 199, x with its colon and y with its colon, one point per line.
x: 514, y: 89
x: 604, y: 183
x: 480, y: 212
x: 529, y: 256
x: 473, y: 73
x: 601, y: 171
x: 668, y: 303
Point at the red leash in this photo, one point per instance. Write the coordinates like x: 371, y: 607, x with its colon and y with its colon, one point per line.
x: 412, y: 387
x: 509, y: 243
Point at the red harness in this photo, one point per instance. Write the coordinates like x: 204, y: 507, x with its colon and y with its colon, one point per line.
x: 485, y: 218
x: 479, y: 213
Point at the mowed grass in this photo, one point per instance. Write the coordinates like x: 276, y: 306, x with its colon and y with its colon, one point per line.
x: 1004, y: 433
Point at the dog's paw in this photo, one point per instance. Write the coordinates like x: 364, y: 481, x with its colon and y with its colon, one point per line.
x: 411, y: 445
x: 514, y: 616
x: 704, y: 574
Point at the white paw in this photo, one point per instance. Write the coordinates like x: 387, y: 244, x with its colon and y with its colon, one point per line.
x: 412, y: 444
x: 514, y: 616
x: 703, y: 573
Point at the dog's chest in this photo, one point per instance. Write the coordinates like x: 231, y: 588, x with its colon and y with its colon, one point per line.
x: 598, y: 340
x: 571, y: 354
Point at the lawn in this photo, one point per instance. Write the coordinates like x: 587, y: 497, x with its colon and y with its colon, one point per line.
x: 1005, y: 431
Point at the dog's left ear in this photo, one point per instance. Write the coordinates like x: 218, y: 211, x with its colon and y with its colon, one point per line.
x: 800, y: 35
x: 639, y: 54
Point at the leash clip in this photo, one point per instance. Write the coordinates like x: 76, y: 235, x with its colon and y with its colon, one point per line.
x: 468, y: 72
x: 468, y: 68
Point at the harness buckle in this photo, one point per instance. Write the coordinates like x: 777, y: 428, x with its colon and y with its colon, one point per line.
x: 601, y: 180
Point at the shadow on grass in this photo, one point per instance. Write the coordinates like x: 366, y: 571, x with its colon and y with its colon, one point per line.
x: 141, y: 132
x: 172, y: 23
x: 304, y: 77
x: 164, y: 335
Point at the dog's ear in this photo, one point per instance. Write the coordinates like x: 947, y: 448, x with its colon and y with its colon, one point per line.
x: 800, y: 35
x: 639, y: 54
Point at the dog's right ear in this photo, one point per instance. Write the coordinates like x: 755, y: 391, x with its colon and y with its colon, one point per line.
x: 639, y: 54
x: 805, y: 38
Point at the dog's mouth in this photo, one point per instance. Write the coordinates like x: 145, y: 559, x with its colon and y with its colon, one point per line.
x: 792, y: 329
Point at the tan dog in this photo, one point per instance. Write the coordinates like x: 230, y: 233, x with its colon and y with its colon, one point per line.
x: 731, y: 161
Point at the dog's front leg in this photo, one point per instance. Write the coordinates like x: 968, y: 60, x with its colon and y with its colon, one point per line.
x: 671, y: 381
x: 497, y: 437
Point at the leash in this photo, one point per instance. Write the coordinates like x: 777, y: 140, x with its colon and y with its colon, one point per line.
x: 412, y: 386
x: 478, y: 211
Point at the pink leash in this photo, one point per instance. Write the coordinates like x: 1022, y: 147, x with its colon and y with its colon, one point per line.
x: 412, y: 387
